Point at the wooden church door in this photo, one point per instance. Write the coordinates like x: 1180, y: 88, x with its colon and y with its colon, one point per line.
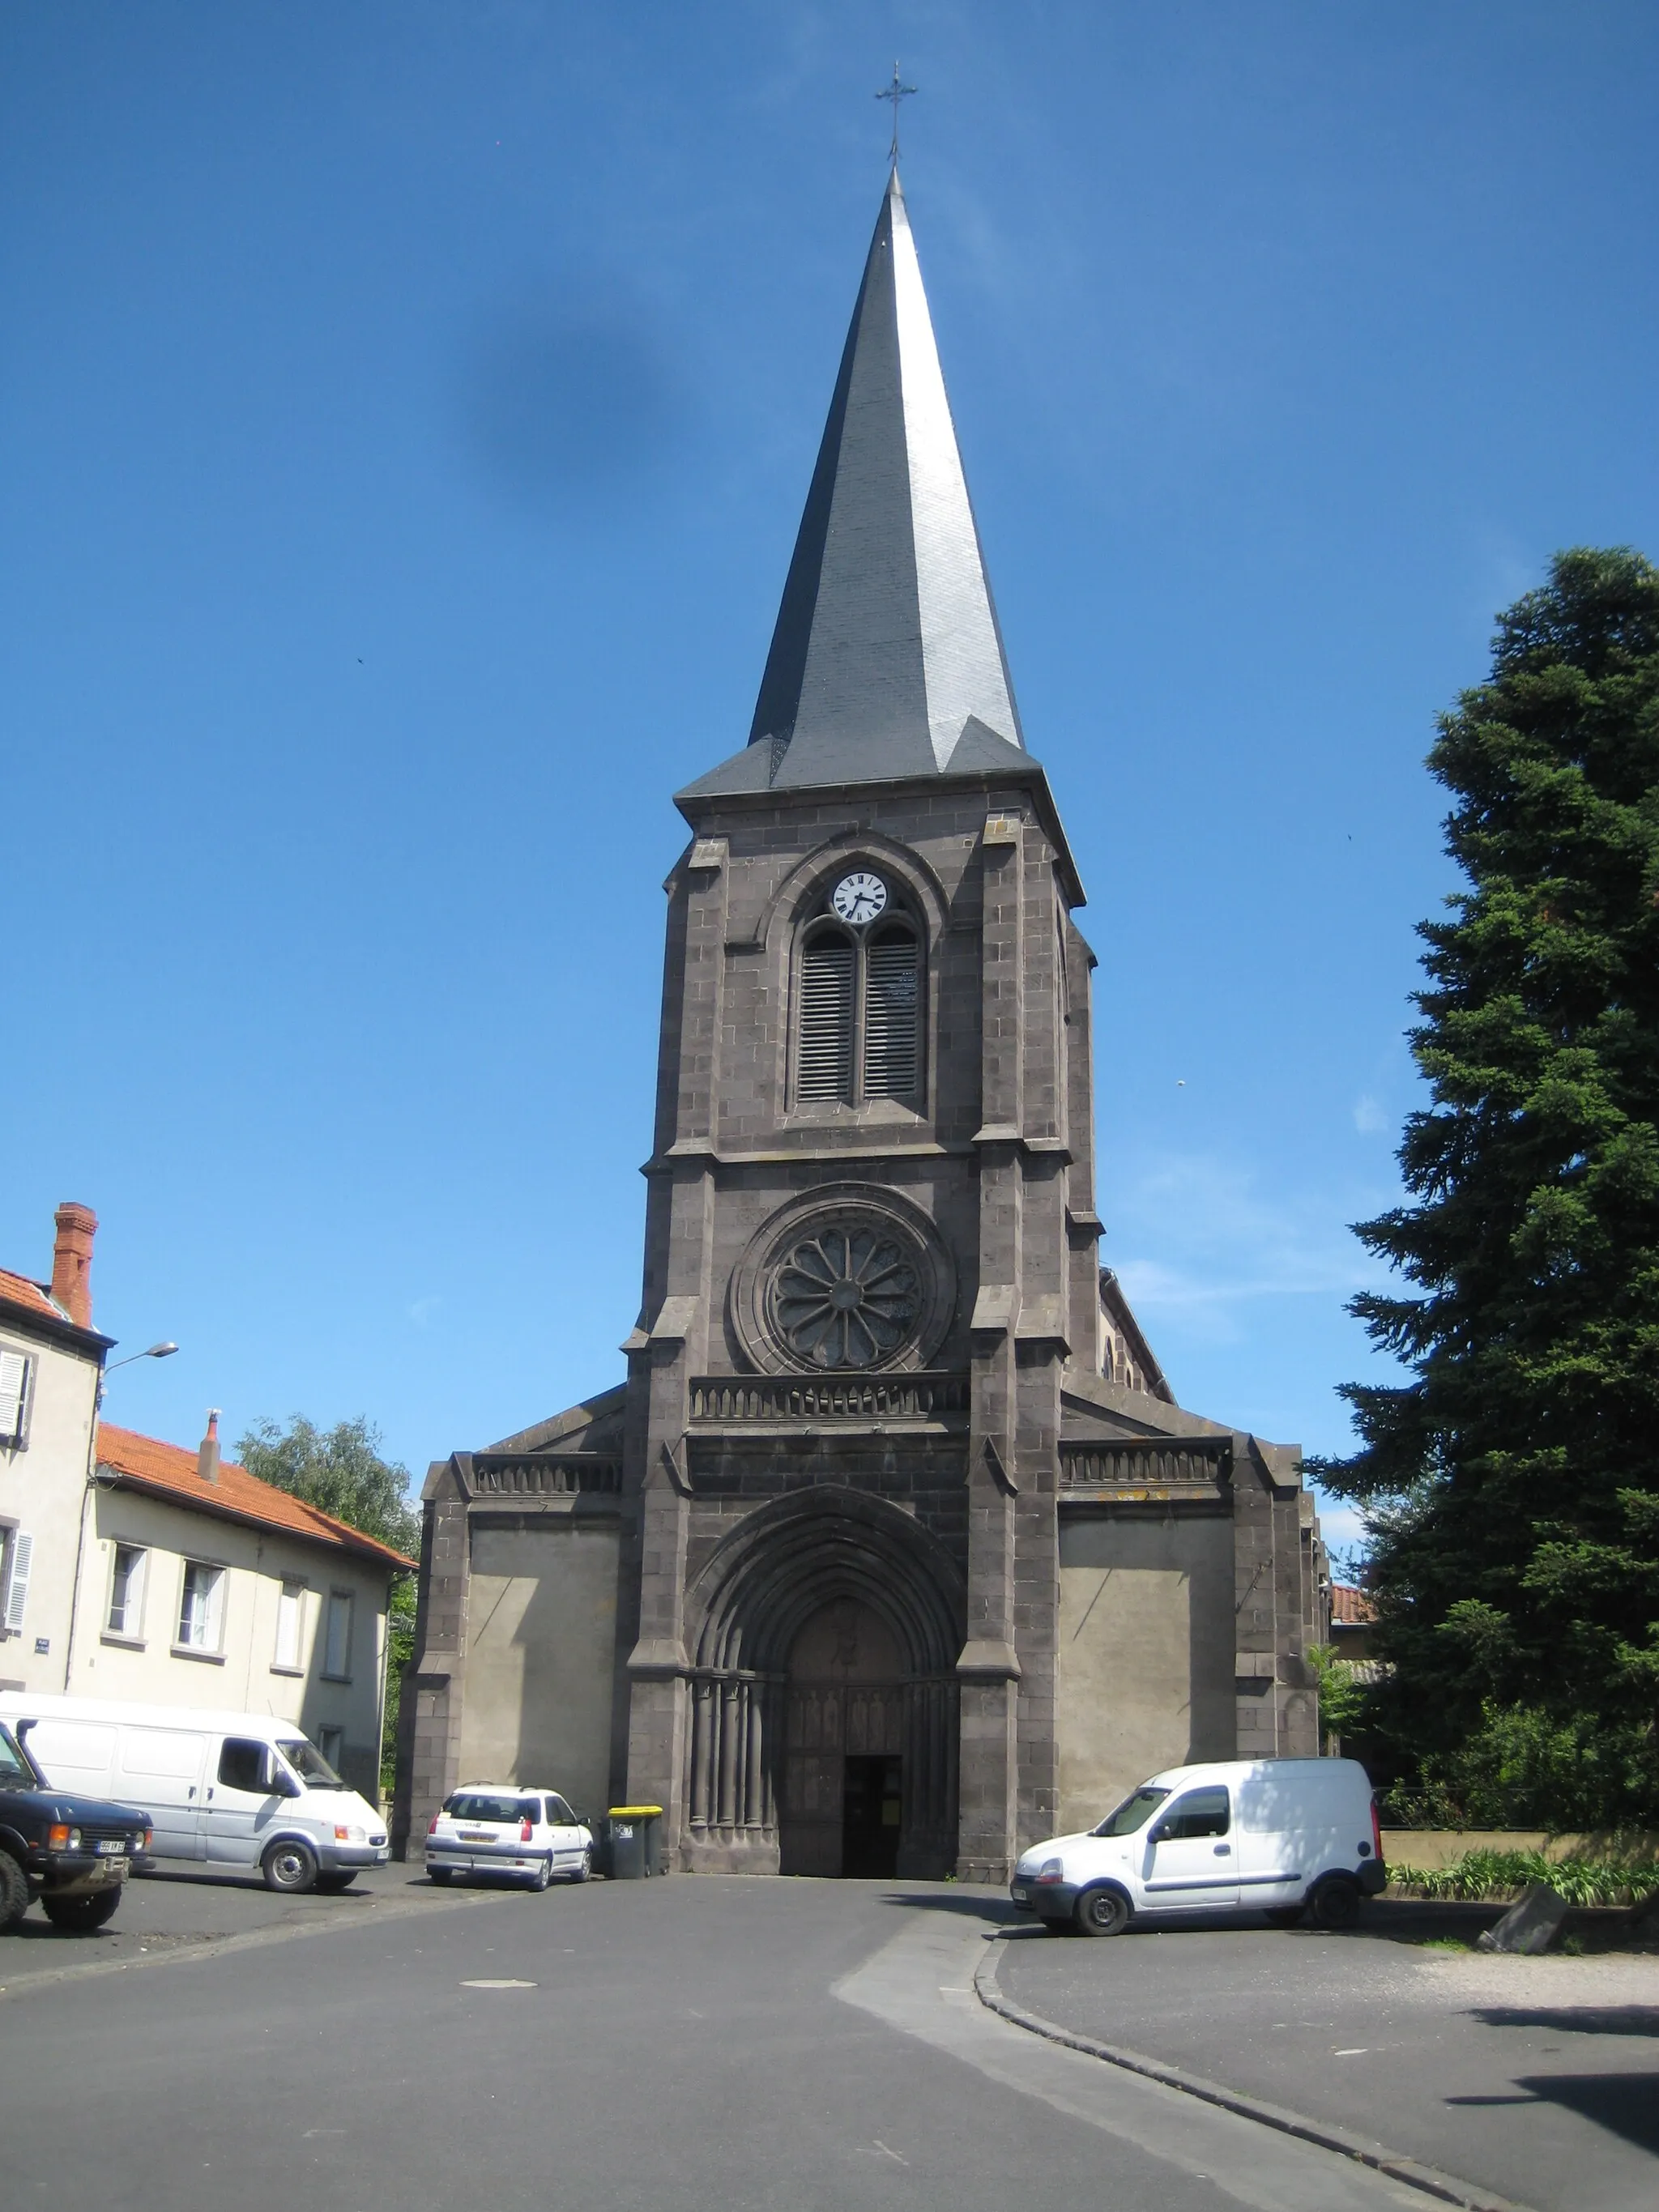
x: 843, y: 1739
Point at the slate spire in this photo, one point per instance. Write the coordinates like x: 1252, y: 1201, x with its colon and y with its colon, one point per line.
x: 886, y: 661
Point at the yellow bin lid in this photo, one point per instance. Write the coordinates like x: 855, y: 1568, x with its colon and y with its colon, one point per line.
x: 634, y: 1812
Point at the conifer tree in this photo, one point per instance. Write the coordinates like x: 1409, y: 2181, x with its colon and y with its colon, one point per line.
x: 1512, y: 1484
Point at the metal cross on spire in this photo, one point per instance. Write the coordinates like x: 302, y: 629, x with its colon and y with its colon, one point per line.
x: 896, y: 92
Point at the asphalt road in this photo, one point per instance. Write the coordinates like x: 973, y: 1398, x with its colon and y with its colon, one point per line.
x: 681, y: 2043
x: 1536, y: 2077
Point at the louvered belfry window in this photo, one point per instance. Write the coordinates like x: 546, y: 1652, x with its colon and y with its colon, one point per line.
x: 890, y: 964
x: 825, y: 1061
x: 859, y: 1032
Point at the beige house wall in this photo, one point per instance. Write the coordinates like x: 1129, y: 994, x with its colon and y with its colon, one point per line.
x: 241, y: 1674
x: 41, y: 1486
x: 1145, y: 1655
x: 541, y: 1640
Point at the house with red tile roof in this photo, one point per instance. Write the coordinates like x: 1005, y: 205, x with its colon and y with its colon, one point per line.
x: 1352, y: 1619
x: 134, y: 1569
x: 52, y: 1369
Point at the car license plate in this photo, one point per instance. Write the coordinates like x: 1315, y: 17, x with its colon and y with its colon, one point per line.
x: 111, y: 1847
x: 1019, y: 1896
x: 467, y: 1838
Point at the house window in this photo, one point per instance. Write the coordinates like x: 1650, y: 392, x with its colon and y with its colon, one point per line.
x: 126, y: 1592
x: 200, y: 1606
x: 16, y: 1556
x: 291, y: 1599
x: 16, y: 1369
x: 857, y: 1030
x: 336, y: 1650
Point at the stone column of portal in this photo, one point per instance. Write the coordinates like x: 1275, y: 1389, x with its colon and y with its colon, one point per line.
x: 987, y: 1670
x: 677, y: 1336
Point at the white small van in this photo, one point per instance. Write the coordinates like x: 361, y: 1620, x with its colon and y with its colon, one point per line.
x: 223, y: 1789
x: 1287, y: 1837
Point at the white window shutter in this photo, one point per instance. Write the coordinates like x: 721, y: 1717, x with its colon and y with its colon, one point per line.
x: 14, y: 1396
x: 17, y: 1592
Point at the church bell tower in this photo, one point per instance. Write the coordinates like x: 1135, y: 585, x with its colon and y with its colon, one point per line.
x: 871, y: 1242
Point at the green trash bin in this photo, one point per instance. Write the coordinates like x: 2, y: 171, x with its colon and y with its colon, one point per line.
x: 635, y: 1833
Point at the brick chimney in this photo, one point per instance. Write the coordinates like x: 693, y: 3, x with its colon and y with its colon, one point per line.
x: 71, y: 1260
x: 207, y: 1457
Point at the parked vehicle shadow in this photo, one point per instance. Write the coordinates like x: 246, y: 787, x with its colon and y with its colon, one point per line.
x: 1577, y: 2019
x: 949, y: 1898
x: 1624, y: 2104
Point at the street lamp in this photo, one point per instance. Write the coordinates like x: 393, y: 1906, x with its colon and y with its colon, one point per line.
x: 155, y: 1351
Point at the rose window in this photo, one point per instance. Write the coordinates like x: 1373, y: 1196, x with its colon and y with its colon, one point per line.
x: 845, y: 1297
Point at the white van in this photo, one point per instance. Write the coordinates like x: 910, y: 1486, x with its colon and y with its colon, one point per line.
x: 1287, y: 1837
x: 226, y: 1789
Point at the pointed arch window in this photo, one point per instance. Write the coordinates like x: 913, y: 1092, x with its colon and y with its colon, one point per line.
x: 857, y: 1030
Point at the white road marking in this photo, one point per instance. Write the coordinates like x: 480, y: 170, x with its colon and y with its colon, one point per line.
x: 493, y: 1983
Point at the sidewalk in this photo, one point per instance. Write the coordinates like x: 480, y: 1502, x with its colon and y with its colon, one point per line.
x: 1537, y: 2079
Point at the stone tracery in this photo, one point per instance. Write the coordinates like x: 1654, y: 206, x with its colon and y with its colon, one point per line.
x: 847, y: 1296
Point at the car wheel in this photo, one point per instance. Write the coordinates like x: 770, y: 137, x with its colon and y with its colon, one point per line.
x: 542, y: 1874
x: 441, y: 1876
x: 290, y: 1866
x: 1284, y: 1916
x: 332, y: 1884
x: 583, y: 1868
x: 1335, y: 1904
x: 14, y: 1892
x: 1103, y: 1912
x: 79, y: 1916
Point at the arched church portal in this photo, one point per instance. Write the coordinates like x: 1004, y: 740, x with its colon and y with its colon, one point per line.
x: 822, y: 1737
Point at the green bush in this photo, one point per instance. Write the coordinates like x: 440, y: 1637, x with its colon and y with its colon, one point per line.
x: 1480, y: 1876
x: 1520, y: 1767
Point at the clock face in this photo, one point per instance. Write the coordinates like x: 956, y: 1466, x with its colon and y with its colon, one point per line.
x: 858, y: 898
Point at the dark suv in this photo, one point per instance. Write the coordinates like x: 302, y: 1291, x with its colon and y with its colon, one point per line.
x: 73, y: 1853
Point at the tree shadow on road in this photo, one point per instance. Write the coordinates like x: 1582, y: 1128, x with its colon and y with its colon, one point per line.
x: 1624, y: 2104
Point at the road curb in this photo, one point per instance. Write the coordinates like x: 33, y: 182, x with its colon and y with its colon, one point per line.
x: 1446, y: 2187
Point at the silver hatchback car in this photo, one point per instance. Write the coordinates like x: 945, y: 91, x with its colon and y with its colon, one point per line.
x: 527, y: 1834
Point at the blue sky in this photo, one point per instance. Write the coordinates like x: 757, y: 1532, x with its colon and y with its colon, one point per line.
x: 405, y: 417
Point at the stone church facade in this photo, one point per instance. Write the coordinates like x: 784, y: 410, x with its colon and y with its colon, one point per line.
x: 894, y: 1552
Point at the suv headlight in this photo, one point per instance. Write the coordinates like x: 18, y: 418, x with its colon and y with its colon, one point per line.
x: 60, y: 1836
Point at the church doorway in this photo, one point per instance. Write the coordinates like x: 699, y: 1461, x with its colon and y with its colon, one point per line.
x: 872, y: 1813
x: 842, y: 1809
x: 823, y: 1703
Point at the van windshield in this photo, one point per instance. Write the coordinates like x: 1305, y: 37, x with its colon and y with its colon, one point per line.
x: 1133, y: 1812
x: 308, y: 1763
